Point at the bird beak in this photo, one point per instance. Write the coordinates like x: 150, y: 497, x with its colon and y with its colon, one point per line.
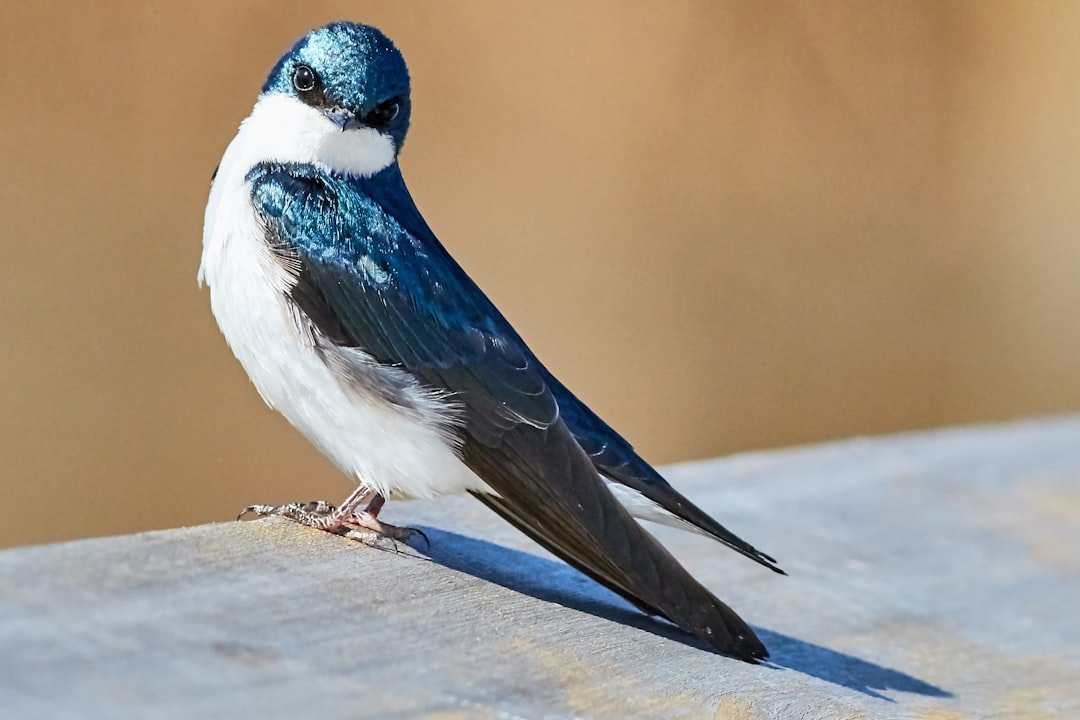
x: 344, y: 119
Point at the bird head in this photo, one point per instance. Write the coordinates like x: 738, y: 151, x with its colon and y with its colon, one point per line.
x: 348, y: 80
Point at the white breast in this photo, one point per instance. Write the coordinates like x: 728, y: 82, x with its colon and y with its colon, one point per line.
x: 395, y: 451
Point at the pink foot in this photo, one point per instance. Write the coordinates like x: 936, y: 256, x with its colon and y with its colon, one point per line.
x: 364, y: 525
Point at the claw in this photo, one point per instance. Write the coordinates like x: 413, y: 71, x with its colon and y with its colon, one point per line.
x: 363, y: 526
x: 422, y: 534
x: 260, y: 510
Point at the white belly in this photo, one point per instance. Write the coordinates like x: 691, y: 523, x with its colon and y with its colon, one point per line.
x: 395, y: 451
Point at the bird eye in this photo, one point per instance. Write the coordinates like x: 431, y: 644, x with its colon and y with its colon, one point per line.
x: 304, y: 78
x: 384, y: 113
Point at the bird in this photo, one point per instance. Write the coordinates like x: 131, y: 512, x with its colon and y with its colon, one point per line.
x: 354, y: 322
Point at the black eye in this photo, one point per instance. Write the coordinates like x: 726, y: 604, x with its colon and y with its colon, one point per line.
x: 304, y: 78
x: 384, y: 113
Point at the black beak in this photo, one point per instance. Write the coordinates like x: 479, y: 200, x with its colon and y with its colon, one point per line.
x: 344, y: 119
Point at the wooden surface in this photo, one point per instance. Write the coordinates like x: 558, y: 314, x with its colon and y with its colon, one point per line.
x: 933, y: 576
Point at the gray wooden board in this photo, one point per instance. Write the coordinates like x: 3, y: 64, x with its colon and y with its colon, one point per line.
x: 933, y: 575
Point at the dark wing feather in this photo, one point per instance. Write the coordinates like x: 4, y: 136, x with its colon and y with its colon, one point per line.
x: 370, y: 274
x: 615, y: 458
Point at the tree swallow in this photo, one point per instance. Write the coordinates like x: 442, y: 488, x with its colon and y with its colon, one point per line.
x: 354, y: 322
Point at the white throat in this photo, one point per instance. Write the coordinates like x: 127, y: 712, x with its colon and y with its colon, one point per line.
x: 283, y: 129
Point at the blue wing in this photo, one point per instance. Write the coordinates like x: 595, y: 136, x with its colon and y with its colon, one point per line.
x: 371, y: 274
x: 366, y: 281
x: 615, y: 458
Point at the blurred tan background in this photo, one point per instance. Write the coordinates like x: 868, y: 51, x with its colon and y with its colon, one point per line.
x: 727, y: 225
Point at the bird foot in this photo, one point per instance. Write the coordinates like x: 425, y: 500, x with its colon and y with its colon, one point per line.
x: 363, y: 526
x: 367, y: 528
x: 316, y: 514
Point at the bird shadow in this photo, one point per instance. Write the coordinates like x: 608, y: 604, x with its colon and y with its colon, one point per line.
x: 555, y: 582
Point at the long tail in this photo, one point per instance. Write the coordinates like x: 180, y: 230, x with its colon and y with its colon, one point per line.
x: 548, y: 487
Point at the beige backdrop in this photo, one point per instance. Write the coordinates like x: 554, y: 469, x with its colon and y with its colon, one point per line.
x: 727, y: 225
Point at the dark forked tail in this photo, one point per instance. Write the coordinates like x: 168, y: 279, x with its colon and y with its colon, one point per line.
x: 548, y: 487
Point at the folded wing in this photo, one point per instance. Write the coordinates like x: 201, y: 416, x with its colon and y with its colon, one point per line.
x: 370, y: 274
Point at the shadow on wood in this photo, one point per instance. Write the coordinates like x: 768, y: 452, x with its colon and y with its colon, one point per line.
x: 556, y: 582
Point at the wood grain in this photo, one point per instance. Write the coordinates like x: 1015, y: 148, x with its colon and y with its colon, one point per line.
x: 932, y: 576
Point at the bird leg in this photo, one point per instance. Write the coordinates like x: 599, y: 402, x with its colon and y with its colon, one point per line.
x: 344, y: 520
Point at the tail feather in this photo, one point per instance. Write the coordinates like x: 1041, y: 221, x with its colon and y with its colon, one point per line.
x: 548, y: 488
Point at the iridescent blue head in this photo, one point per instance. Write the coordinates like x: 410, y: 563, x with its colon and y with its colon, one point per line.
x: 351, y: 73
